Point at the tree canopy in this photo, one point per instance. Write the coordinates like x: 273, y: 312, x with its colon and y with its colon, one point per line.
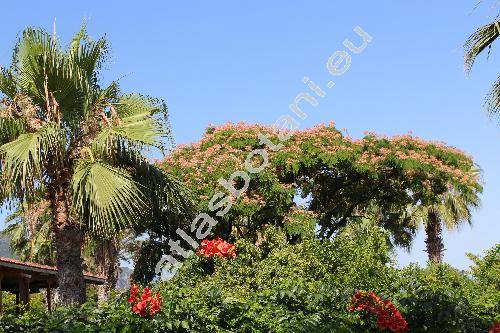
x: 341, y: 178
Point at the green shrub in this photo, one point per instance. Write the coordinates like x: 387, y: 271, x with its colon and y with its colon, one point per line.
x: 302, y: 287
x: 442, y: 299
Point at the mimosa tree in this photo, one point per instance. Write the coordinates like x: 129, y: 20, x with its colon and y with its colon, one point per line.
x: 342, y: 180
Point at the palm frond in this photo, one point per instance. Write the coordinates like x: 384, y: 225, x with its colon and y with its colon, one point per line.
x: 8, y: 85
x: 43, y: 245
x: 90, y: 55
x: 36, y: 55
x: 11, y: 128
x: 135, y: 123
x: 101, y: 99
x: 481, y: 39
x: 78, y: 38
x: 37, y: 245
x: 16, y: 231
x: 106, y: 198
x: 165, y: 192
x: 24, y: 158
x: 49, y: 74
x: 492, y: 104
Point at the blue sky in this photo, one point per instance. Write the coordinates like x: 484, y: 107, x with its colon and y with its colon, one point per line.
x: 229, y: 61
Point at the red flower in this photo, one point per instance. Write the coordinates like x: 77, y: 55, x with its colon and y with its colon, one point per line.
x: 146, y: 305
x: 388, y: 317
x: 216, y: 247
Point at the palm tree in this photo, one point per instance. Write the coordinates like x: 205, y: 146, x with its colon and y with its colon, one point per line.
x: 452, y: 209
x: 104, y: 255
x: 482, y: 39
x: 63, y: 134
x: 108, y: 265
x: 30, y: 234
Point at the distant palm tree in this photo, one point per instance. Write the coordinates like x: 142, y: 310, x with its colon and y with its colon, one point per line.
x: 30, y: 233
x: 64, y: 134
x: 103, y: 256
x: 482, y: 39
x: 451, y: 210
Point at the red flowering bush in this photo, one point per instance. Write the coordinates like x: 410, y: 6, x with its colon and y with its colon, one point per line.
x: 388, y: 317
x: 495, y: 328
x: 216, y: 247
x: 144, y: 303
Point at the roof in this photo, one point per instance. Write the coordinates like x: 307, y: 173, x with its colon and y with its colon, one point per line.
x: 38, y: 268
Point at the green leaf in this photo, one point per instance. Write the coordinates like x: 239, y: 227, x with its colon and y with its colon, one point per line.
x: 137, y: 124
x: 185, y: 324
x: 481, y: 39
x: 106, y: 197
x: 24, y: 158
x: 10, y: 129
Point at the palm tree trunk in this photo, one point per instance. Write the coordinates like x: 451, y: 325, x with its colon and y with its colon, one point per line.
x: 68, y: 240
x: 69, y: 266
x: 434, y: 239
x: 107, y: 265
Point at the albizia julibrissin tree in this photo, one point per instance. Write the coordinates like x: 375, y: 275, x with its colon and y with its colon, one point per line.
x: 343, y: 180
x: 65, y: 135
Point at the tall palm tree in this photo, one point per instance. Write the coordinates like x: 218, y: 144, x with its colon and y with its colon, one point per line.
x: 64, y: 134
x: 482, y: 39
x: 451, y: 210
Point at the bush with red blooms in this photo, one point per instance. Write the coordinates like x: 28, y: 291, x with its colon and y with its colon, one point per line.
x: 495, y: 328
x: 216, y: 247
x: 144, y: 303
x: 388, y: 317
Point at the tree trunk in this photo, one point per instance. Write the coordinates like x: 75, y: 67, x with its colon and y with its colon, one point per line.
x: 68, y: 240
x: 434, y: 239
x: 108, y: 267
x: 69, y: 267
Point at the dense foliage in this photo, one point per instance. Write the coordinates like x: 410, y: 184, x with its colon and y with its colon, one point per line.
x: 391, y: 180
x: 302, y: 287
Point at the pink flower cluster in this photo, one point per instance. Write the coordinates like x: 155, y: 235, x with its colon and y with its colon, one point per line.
x: 223, y: 150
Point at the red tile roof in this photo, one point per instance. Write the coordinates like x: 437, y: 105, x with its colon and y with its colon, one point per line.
x: 36, y: 266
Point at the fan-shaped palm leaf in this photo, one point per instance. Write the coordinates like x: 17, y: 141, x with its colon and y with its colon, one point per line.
x: 11, y: 128
x: 105, y: 197
x: 8, y: 85
x: 23, y: 159
x: 36, y: 245
x: 134, y: 121
x: 165, y: 192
